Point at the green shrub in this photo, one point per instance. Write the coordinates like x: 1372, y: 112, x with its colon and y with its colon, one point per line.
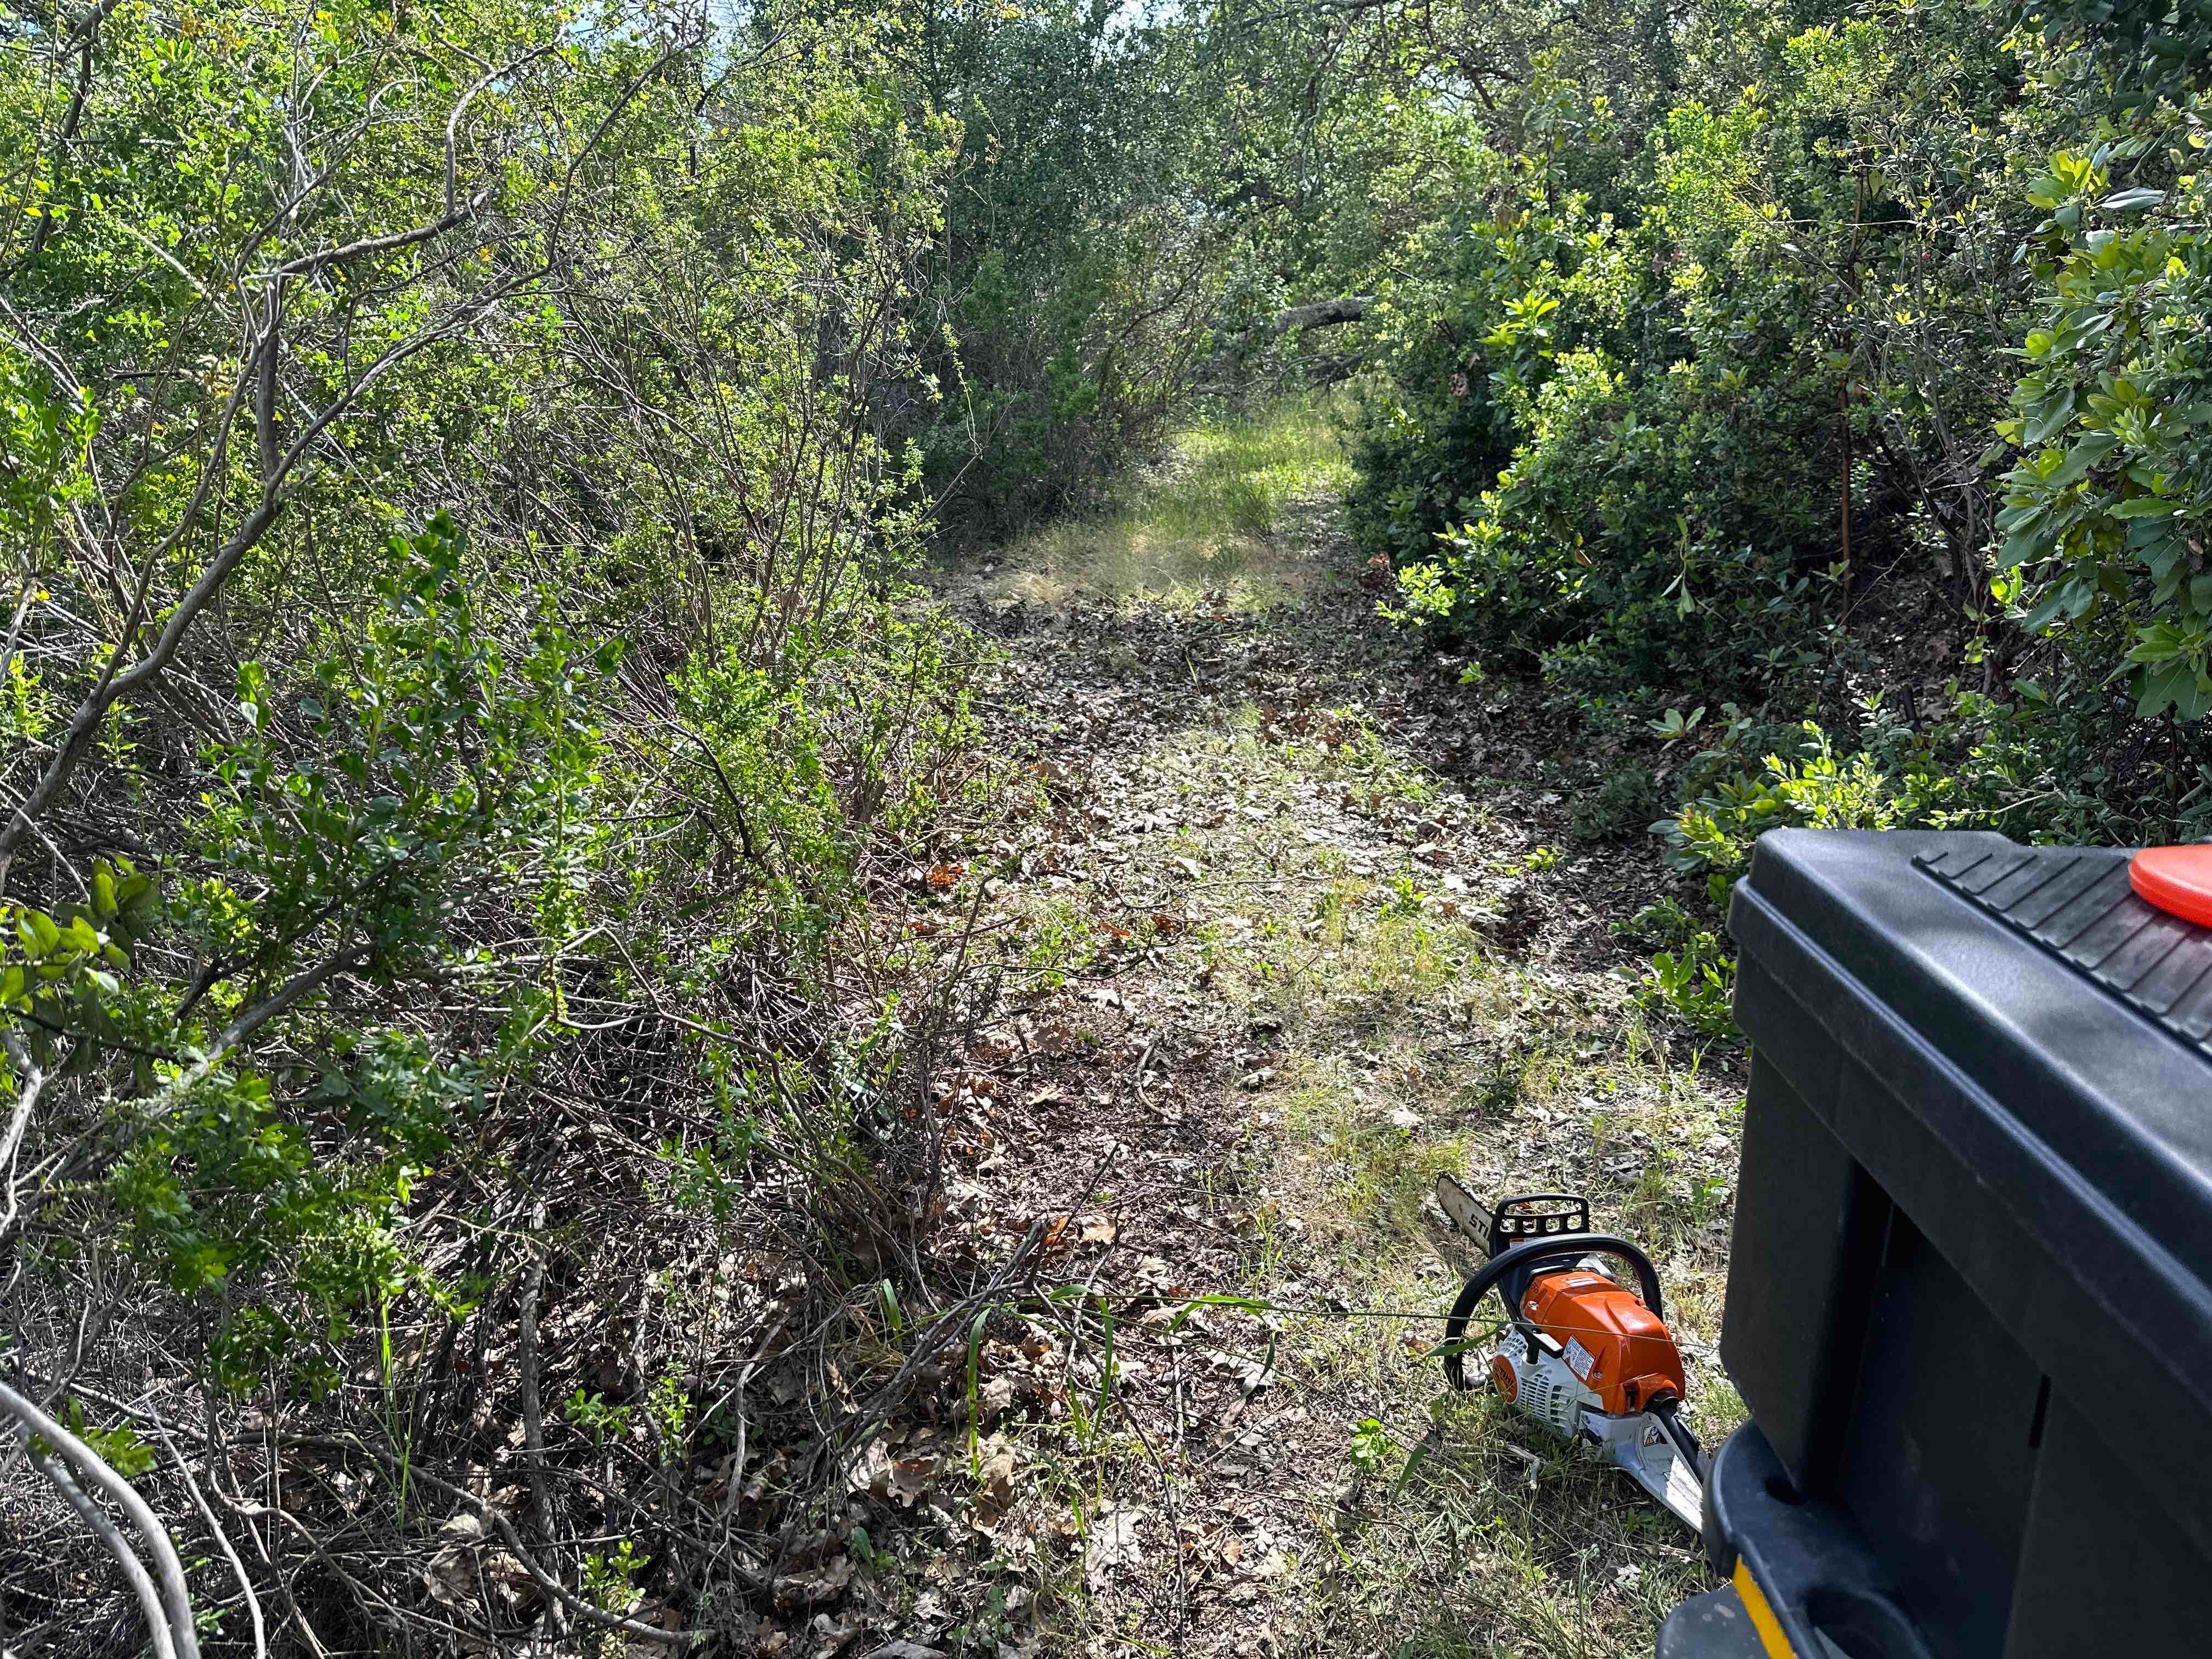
x: 1708, y: 354
x: 1690, y: 975
x: 1060, y: 303
x: 1815, y: 788
x: 2035, y: 770
x: 2107, y: 509
x: 2037, y: 767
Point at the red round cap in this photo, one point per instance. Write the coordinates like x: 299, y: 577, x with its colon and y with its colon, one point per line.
x: 2177, y: 879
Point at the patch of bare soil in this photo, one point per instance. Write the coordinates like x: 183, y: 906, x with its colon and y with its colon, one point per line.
x: 1296, y: 924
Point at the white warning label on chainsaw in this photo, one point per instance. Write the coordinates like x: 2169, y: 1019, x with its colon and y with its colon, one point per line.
x: 1579, y: 1359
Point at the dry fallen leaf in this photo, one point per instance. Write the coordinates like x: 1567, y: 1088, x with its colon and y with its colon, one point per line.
x: 465, y: 1527
x: 998, y: 1473
x: 996, y: 1495
x: 1113, y: 1544
x: 816, y: 1584
x: 995, y: 1398
x: 913, y: 1477
x: 1252, y: 1378
x: 471, y: 1565
x: 872, y: 1471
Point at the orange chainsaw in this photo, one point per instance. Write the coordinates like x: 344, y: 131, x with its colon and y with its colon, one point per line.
x: 1579, y: 1352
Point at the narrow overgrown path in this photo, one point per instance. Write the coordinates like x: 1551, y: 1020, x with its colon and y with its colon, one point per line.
x: 1294, y: 925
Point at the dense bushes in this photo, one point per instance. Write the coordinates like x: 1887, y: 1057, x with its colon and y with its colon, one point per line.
x: 463, y: 707
x: 1066, y: 295
x: 1667, y: 404
x: 1672, y: 354
x: 2106, y: 509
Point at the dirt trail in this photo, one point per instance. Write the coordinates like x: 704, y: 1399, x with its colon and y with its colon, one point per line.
x: 1295, y: 926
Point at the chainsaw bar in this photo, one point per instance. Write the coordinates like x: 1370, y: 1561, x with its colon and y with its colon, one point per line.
x: 1467, y: 1214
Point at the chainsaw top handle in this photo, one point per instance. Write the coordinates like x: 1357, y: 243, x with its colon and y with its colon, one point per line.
x: 1510, y: 1270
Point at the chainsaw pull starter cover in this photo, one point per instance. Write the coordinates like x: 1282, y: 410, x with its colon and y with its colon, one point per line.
x: 2177, y: 879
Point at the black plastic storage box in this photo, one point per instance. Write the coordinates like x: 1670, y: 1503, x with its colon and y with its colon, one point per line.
x: 1970, y: 1297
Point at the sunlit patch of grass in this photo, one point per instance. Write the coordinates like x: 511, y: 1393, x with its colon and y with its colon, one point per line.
x: 1370, y: 1174
x: 1478, y: 1534
x: 1241, y: 475
x: 1203, y: 528
x: 1456, y: 1546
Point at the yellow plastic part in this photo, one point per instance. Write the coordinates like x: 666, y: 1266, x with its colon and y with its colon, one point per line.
x: 1762, y: 1616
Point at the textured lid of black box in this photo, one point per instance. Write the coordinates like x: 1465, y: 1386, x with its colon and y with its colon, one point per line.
x: 2077, y: 902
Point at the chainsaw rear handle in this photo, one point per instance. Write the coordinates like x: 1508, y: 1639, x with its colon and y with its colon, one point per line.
x: 1518, y: 1264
